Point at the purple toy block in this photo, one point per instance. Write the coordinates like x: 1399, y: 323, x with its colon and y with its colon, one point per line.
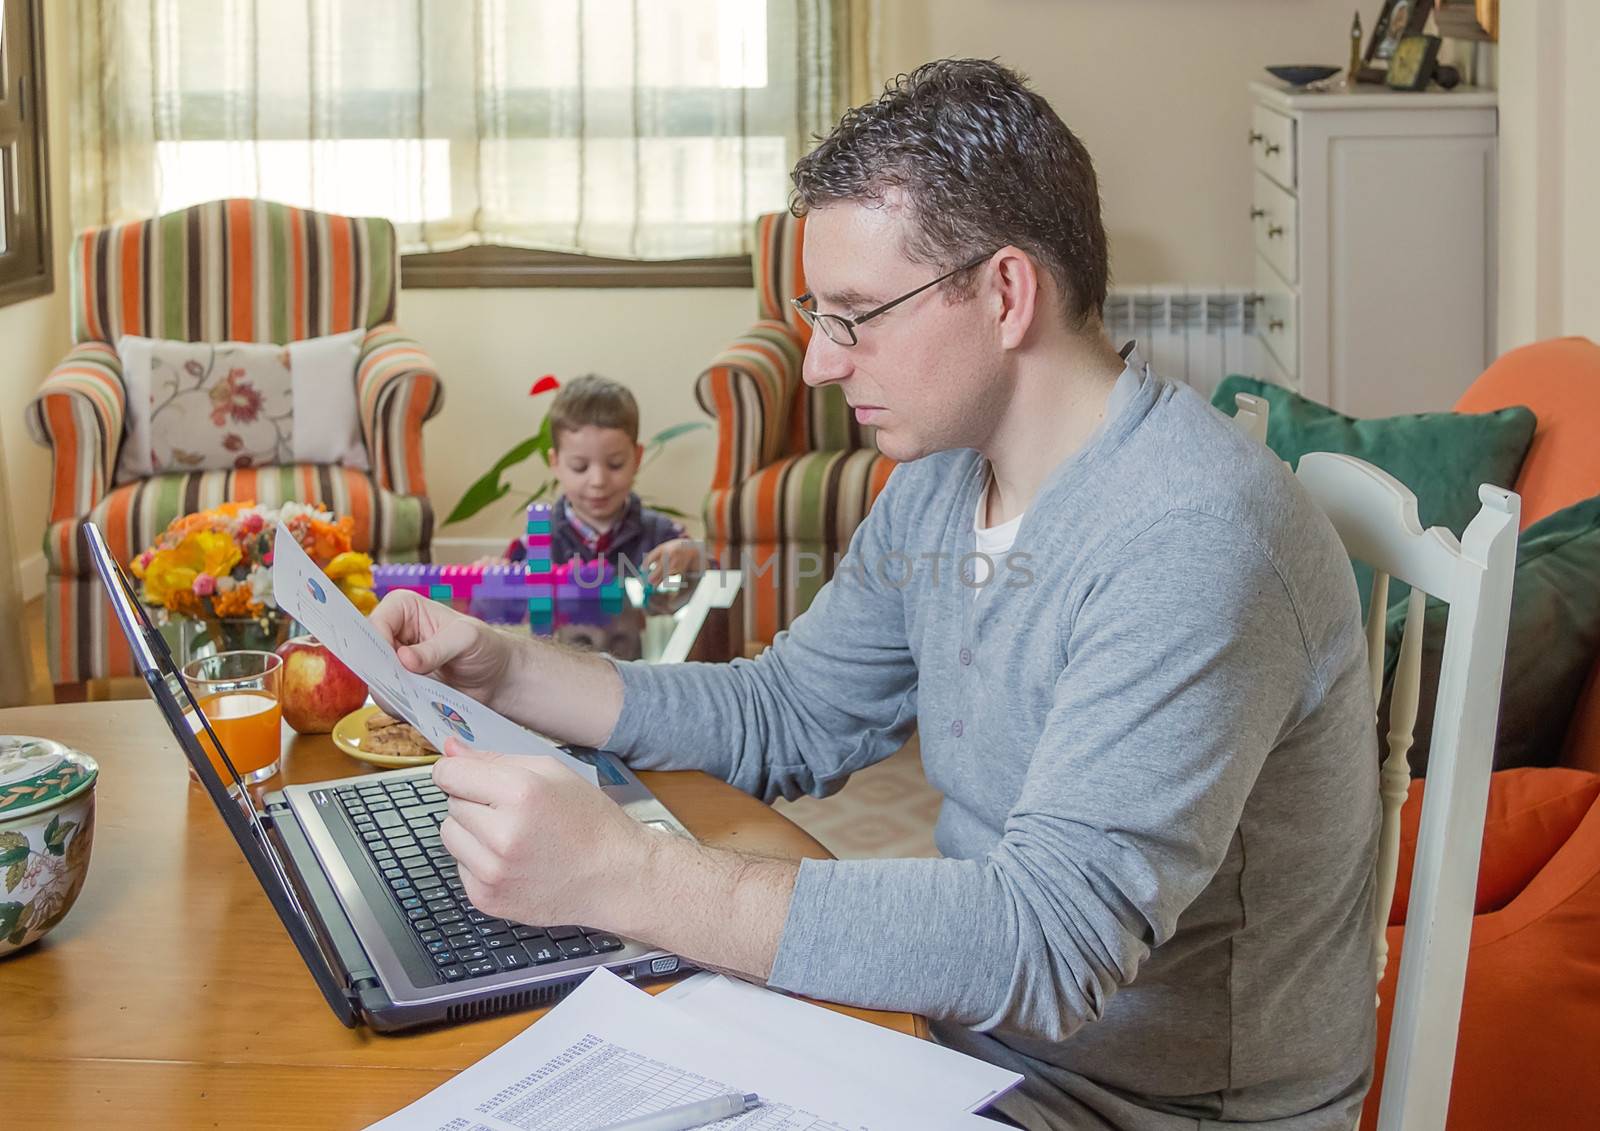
x: 501, y: 597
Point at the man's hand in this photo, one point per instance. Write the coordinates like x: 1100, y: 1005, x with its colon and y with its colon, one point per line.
x: 681, y: 555
x: 430, y: 638
x: 536, y: 843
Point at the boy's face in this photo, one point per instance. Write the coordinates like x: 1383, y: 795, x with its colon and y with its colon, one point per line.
x: 595, y: 467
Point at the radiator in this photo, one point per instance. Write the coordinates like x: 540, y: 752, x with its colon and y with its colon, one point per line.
x: 1193, y: 334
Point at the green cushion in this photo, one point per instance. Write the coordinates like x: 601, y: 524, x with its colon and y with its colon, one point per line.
x: 1550, y: 648
x: 1441, y: 456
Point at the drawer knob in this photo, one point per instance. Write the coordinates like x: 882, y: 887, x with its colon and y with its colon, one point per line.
x: 1273, y: 149
x: 1274, y: 231
x: 1257, y: 213
x: 1257, y: 137
x: 1275, y: 325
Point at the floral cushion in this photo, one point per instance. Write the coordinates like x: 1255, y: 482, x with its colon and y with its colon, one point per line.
x: 196, y: 406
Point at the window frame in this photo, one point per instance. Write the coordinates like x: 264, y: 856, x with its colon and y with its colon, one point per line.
x: 27, y: 267
x: 490, y: 266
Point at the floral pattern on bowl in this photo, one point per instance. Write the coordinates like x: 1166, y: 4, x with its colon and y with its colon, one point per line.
x: 46, y: 832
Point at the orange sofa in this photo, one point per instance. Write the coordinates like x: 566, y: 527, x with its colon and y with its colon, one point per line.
x: 1530, y: 1018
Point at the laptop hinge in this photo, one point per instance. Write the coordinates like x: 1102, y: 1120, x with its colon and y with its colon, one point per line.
x: 332, y: 931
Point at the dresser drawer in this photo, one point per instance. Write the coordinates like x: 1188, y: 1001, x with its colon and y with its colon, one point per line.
x: 1272, y: 143
x: 1277, y: 322
x: 1273, y: 215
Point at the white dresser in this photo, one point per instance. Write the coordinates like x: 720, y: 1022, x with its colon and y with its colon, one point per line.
x: 1374, y: 219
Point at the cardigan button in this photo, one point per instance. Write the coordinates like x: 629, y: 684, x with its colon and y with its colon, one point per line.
x: 966, y: 656
x: 956, y: 728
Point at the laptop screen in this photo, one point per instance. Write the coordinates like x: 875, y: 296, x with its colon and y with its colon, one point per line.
x: 186, y: 720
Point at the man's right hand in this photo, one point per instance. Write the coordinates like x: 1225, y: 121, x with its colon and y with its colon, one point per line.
x: 430, y: 638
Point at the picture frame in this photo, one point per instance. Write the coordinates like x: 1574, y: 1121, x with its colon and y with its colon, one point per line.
x: 1396, y: 20
x: 1413, y: 63
x: 1476, y: 20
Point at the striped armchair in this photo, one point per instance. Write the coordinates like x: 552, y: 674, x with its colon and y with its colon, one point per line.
x: 795, y: 473
x: 229, y: 270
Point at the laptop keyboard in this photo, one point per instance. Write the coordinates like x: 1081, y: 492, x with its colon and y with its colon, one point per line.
x: 398, y: 821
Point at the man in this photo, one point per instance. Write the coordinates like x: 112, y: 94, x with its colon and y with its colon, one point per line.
x: 1151, y: 722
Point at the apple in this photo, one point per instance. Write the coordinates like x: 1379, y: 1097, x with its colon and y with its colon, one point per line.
x: 315, y: 689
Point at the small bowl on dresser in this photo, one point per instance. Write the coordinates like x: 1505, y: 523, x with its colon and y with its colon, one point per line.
x: 1303, y: 74
x: 46, y: 830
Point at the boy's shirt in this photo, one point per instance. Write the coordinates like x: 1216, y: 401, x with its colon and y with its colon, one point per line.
x: 638, y: 531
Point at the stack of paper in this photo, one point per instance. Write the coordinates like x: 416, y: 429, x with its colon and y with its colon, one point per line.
x: 610, y: 1052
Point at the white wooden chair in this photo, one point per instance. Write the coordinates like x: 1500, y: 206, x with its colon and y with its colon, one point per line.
x: 1251, y: 416
x: 1376, y: 517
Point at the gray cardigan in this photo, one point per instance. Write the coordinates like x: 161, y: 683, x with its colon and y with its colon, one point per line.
x: 1159, y: 771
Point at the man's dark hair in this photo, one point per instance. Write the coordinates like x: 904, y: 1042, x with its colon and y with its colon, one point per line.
x: 983, y: 162
x: 594, y: 400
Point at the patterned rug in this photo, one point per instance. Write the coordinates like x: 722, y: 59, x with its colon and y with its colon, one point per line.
x: 887, y: 810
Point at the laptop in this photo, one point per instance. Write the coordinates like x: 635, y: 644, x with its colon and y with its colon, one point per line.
x: 370, y: 898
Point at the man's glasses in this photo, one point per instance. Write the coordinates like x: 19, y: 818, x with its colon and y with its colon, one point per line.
x: 842, y: 330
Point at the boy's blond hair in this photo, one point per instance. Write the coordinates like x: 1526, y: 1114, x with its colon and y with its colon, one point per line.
x: 597, y: 401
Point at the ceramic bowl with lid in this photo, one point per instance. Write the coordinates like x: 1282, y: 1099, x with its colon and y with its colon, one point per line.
x: 46, y: 830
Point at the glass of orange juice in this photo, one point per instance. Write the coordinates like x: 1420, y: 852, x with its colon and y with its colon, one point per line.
x: 238, y: 691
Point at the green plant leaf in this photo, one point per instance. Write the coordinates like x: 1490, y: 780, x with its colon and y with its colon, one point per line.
x: 675, y: 431
x: 659, y: 441
x: 13, y: 848
x: 14, y: 874
x: 10, y: 913
x: 488, y: 488
x: 55, y: 836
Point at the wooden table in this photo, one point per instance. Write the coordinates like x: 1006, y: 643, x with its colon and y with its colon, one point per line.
x: 170, y: 995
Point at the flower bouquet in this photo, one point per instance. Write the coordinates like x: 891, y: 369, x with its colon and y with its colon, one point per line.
x: 215, y: 566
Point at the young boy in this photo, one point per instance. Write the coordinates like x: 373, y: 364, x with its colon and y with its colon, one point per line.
x: 595, y: 457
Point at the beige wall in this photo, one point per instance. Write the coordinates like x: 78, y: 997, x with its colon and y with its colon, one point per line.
x: 34, y: 334
x: 1549, y: 166
x: 1157, y: 91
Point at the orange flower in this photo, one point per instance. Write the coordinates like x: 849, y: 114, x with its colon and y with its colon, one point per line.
x: 185, y: 603
x: 237, y: 602
x: 326, y: 540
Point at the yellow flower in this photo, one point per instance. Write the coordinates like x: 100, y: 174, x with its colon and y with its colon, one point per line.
x: 170, y: 574
x: 352, y: 573
x: 351, y: 568
x: 219, y: 553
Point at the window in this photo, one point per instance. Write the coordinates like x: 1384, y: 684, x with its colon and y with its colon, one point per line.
x: 510, y: 141
x: 25, y: 262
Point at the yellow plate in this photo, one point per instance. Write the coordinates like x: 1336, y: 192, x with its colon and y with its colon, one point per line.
x: 350, y: 734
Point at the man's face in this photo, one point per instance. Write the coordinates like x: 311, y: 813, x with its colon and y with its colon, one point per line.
x: 927, y: 374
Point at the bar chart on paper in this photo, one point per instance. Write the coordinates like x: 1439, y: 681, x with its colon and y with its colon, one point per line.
x: 594, y: 1083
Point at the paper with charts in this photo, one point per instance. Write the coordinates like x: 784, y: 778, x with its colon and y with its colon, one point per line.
x: 435, y: 709
x: 610, y: 1052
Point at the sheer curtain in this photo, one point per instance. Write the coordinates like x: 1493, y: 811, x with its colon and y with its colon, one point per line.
x: 641, y: 129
